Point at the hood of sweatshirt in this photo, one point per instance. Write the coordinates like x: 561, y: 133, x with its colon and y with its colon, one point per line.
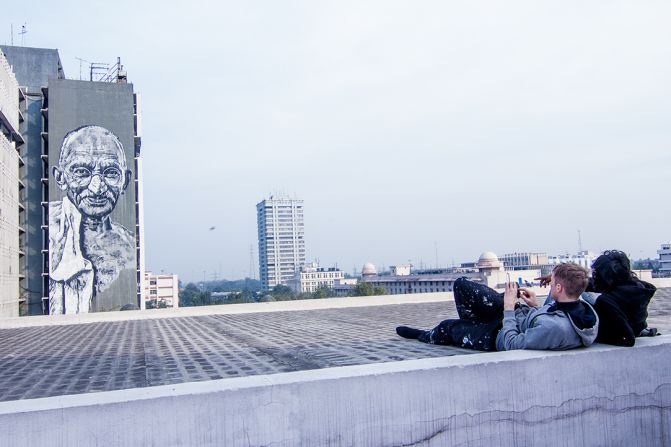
x: 633, y: 299
x: 583, y: 318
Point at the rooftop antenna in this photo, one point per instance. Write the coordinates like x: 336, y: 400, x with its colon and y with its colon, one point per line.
x: 251, y: 261
x: 11, y: 28
x: 23, y: 33
x: 579, y: 242
x: 80, y: 66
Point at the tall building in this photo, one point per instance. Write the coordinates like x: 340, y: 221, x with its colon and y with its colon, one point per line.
x: 12, y: 191
x: 82, y: 182
x: 281, y: 243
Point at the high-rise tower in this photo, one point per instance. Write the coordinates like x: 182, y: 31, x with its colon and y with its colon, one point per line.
x: 281, y: 242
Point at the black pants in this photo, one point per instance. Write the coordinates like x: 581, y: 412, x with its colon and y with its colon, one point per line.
x: 480, y: 312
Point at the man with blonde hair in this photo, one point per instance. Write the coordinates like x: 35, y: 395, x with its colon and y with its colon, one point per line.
x: 491, y: 321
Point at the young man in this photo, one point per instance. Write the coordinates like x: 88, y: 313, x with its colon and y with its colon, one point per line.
x: 491, y: 321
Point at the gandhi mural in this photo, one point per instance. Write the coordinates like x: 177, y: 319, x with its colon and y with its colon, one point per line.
x: 87, y: 249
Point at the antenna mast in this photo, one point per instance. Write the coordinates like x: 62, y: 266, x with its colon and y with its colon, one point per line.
x: 579, y: 242
x: 252, y: 275
x: 23, y: 33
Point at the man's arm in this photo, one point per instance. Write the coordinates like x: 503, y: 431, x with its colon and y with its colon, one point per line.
x: 536, y: 337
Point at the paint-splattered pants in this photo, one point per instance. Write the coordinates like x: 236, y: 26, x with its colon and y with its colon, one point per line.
x: 480, y: 312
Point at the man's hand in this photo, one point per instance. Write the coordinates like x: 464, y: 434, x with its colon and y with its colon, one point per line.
x: 510, y: 296
x: 545, y: 280
x: 529, y: 297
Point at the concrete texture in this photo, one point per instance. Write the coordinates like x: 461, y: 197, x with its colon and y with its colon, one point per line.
x: 54, y: 360
x: 601, y: 396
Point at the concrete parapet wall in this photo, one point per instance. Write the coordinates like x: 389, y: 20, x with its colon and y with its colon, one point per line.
x: 597, y: 396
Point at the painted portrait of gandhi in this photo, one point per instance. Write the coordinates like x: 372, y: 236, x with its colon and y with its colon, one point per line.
x: 87, y: 250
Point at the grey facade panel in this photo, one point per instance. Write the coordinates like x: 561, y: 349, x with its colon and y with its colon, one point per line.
x: 33, y: 67
x: 92, y: 213
x: 30, y: 153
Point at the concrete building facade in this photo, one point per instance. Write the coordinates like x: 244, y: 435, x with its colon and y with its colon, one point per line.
x: 524, y: 261
x: 82, y: 178
x: 281, y: 240
x: 309, y: 278
x: 488, y: 270
x: 160, y: 290
x: 665, y: 260
x: 583, y: 258
x: 33, y: 67
x: 12, y: 209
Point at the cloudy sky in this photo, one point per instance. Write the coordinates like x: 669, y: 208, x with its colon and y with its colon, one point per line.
x: 426, y: 131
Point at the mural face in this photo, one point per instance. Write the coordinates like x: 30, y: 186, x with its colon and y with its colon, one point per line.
x: 87, y: 249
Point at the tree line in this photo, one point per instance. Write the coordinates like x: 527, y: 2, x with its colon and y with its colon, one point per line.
x: 193, y: 295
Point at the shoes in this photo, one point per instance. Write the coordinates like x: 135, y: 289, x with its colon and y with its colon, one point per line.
x: 408, y: 332
x: 648, y: 332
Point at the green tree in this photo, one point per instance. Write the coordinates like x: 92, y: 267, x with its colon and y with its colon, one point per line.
x: 323, y: 292
x: 366, y: 289
x: 281, y: 292
x: 191, y: 295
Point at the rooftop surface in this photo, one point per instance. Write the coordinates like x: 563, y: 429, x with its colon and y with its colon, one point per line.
x: 52, y: 360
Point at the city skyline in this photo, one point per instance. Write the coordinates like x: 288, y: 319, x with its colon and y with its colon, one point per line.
x: 470, y: 128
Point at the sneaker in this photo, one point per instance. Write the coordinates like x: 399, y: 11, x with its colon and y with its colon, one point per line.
x: 408, y: 332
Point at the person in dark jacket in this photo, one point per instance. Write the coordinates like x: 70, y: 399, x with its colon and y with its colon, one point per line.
x: 622, y: 305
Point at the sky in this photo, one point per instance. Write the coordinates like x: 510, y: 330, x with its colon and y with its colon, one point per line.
x: 424, y: 132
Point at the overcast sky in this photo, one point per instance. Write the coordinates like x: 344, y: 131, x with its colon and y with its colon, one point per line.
x: 409, y: 128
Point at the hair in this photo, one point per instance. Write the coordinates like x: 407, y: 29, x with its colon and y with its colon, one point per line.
x: 92, y: 134
x: 611, y: 269
x: 573, y: 277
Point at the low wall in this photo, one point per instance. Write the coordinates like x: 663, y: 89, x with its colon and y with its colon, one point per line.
x: 597, y: 396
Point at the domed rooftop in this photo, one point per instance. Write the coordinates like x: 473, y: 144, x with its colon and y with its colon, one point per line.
x: 368, y: 269
x: 488, y: 260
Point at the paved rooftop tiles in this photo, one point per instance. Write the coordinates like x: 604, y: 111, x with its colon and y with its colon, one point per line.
x: 53, y: 360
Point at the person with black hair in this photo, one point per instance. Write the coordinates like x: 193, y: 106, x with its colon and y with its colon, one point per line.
x: 622, y: 305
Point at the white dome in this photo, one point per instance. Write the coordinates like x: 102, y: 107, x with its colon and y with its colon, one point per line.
x: 368, y: 269
x: 488, y: 256
x: 488, y: 260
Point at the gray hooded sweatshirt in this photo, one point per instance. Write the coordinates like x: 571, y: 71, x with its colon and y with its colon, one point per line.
x: 530, y: 328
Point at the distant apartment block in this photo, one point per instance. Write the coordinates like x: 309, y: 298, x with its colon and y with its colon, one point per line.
x: 523, y: 261
x: 12, y: 193
x: 161, y: 290
x: 583, y: 258
x: 665, y: 260
x: 311, y: 277
x: 281, y: 240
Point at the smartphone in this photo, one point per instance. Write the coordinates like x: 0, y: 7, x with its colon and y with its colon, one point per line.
x: 519, y: 294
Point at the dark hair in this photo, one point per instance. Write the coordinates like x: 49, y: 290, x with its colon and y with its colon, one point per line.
x: 573, y: 277
x: 611, y: 269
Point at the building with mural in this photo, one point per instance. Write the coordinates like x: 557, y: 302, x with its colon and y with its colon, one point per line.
x: 83, y: 181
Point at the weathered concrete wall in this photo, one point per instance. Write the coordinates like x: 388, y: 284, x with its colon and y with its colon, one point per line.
x: 601, y: 396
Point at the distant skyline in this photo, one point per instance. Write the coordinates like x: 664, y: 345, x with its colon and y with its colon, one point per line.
x: 404, y: 127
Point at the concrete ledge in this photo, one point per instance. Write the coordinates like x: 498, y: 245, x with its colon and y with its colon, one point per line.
x: 597, y: 396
